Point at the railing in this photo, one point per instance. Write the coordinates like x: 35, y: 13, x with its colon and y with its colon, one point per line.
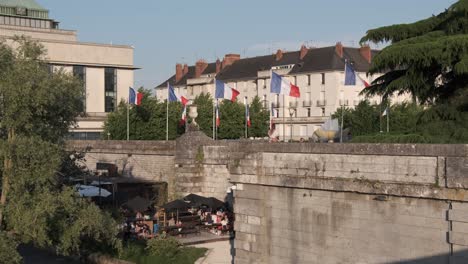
x: 293, y: 104
x: 307, y: 104
x: 276, y: 105
x: 344, y: 102
x: 321, y: 102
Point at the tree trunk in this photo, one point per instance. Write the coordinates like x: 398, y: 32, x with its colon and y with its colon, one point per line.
x: 8, y: 166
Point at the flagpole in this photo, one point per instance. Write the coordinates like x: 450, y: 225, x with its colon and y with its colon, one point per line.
x: 284, y: 119
x: 214, y: 112
x: 167, y: 114
x: 217, y: 113
x: 388, y: 117
x: 342, y: 106
x: 245, y: 115
x: 128, y: 121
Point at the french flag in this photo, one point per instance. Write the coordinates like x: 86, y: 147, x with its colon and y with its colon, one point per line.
x: 174, y: 97
x: 225, y: 92
x: 134, y: 98
x: 247, y: 113
x: 280, y: 85
x: 218, y: 120
x: 184, y: 116
x: 364, y: 82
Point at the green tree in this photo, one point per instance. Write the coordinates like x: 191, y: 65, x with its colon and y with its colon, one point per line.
x: 147, y: 121
x: 204, y: 103
x: 259, y: 118
x: 37, y: 108
x: 8, y: 253
x: 232, y: 117
x: 428, y: 58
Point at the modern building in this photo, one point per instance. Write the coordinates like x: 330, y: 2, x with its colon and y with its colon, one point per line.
x: 106, y: 70
x: 319, y: 73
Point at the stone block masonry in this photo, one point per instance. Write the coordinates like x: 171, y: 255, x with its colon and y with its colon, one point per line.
x: 318, y: 203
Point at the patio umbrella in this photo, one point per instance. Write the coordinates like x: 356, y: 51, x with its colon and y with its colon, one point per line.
x: 92, y: 191
x: 176, y: 205
x: 196, y: 200
x: 138, y: 204
x: 214, y: 203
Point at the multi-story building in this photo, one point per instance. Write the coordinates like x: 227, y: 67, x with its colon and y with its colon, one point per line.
x: 106, y: 70
x: 319, y: 73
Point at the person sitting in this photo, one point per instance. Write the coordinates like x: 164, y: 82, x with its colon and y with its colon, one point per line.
x: 139, y: 215
x: 171, y: 222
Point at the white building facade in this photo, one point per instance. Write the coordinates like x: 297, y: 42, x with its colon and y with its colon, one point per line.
x: 107, y: 71
x: 319, y: 73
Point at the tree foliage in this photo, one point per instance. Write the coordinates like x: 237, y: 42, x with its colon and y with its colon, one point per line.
x: 8, y: 253
x: 408, y: 123
x: 148, y: 121
x: 428, y: 58
x: 37, y: 108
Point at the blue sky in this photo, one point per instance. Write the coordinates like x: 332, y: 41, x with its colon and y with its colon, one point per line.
x: 167, y: 32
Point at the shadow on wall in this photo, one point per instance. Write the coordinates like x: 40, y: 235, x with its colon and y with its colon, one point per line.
x: 458, y: 257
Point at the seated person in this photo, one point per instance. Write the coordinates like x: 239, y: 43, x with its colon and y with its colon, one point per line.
x: 139, y: 215
x: 171, y: 222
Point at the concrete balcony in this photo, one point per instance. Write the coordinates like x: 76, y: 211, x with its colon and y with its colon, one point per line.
x: 321, y: 103
x: 344, y: 102
x: 293, y: 104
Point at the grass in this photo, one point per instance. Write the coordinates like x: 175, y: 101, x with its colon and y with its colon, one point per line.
x: 135, y: 252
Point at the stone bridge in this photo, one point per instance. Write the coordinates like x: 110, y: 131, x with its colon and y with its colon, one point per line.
x: 319, y: 203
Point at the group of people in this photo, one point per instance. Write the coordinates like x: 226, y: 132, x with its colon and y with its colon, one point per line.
x: 138, y: 230
x: 219, y: 221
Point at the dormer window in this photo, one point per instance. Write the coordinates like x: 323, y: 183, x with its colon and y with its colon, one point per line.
x: 283, y: 67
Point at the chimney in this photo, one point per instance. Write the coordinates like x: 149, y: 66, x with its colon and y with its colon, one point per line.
x: 178, y: 72
x: 279, y: 55
x: 200, y: 67
x: 218, y: 66
x: 366, y: 53
x: 304, y: 51
x: 339, y: 49
x: 185, y: 71
x: 229, y: 59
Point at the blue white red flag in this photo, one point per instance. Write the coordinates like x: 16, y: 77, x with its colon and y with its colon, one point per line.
x: 134, y: 98
x: 223, y: 91
x: 218, y: 120
x: 174, y: 97
x: 350, y: 75
x: 183, y: 119
x: 279, y: 85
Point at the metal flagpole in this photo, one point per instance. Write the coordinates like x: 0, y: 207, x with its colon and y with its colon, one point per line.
x: 284, y: 119
x: 342, y: 122
x: 128, y: 121
x: 380, y: 114
x: 167, y: 113
x: 217, y: 113
x: 388, y: 118
x: 342, y: 106
x: 214, y: 112
x: 245, y: 115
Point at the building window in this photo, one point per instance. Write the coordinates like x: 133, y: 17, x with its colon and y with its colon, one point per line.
x: 308, y: 112
x: 264, y: 83
x: 308, y: 79
x: 110, y: 87
x: 80, y: 73
x: 85, y: 136
x: 323, y: 111
x: 323, y: 78
x: 295, y: 80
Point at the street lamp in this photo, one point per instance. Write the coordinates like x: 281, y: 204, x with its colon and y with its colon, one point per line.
x: 292, y: 111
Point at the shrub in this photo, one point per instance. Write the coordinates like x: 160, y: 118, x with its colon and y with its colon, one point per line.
x: 164, y: 247
x: 8, y: 253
